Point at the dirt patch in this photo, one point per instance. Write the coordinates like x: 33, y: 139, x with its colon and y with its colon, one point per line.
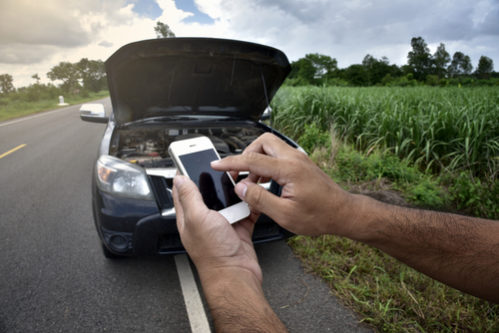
x: 381, y: 190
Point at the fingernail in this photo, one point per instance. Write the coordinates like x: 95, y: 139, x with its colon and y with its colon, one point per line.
x: 215, y: 162
x: 241, y: 189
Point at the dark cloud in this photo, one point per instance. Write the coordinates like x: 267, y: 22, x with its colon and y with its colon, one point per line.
x: 22, y: 22
x: 31, y: 31
x: 306, y: 12
x: 105, y: 43
x: 24, y: 53
x: 490, y: 24
x: 348, y: 30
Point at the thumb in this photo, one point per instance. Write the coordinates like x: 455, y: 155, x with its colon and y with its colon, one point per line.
x: 261, y: 200
x: 189, y: 197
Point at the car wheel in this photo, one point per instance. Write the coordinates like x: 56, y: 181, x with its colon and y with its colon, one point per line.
x: 110, y: 255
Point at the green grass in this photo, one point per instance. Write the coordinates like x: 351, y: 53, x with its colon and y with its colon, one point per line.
x: 387, y: 294
x: 362, y: 154
x: 438, y: 129
x: 452, y: 133
x: 11, y: 107
x: 391, y: 296
x: 378, y: 170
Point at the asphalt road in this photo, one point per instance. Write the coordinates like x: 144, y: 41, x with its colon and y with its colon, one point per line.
x: 53, y: 276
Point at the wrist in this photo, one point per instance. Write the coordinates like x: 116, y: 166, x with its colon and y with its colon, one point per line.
x: 218, y: 281
x: 237, y: 302
x: 358, y: 218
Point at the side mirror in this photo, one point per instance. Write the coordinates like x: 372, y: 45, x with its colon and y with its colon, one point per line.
x: 266, y: 114
x: 93, y: 112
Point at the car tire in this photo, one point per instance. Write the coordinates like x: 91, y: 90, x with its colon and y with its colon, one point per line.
x: 110, y: 255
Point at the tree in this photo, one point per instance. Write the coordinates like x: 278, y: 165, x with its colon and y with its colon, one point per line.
x: 36, y: 77
x: 356, y: 75
x: 419, y: 59
x: 69, y: 75
x: 369, y: 61
x: 302, y: 72
x: 440, y: 60
x: 163, y: 30
x: 6, y: 85
x: 376, y: 69
x: 314, y: 68
x: 92, y: 74
x: 460, y: 65
x: 485, y: 67
x: 324, y: 65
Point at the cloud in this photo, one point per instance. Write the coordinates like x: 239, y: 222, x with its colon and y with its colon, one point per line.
x: 24, y: 54
x: 105, y: 43
x: 490, y: 23
x: 26, y: 22
x: 47, y: 32
x: 42, y: 28
x: 348, y: 30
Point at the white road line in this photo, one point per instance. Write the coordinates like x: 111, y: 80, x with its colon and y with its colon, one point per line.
x: 192, y: 299
x: 42, y: 114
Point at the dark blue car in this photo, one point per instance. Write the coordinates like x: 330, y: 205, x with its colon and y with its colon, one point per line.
x: 164, y: 90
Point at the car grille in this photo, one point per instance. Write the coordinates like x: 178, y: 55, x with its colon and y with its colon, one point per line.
x: 160, y: 187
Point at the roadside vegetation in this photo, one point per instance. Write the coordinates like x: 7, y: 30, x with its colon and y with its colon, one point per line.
x: 78, y: 82
x: 451, y: 133
x: 430, y: 147
x: 16, y: 106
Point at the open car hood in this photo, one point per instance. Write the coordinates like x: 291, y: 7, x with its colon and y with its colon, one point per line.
x: 193, y: 76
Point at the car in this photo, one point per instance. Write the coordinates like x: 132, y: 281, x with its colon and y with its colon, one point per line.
x: 170, y: 89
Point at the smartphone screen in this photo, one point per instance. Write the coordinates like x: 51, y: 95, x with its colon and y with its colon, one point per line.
x: 215, y: 186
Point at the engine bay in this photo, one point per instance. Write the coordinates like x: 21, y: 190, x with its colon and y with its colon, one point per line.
x: 148, y: 146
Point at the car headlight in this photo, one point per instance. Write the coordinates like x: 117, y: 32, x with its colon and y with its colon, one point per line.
x: 121, y: 178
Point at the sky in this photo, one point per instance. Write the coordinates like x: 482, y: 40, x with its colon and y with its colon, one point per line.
x: 37, y: 35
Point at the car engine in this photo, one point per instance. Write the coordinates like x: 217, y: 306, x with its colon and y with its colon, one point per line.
x: 148, y: 147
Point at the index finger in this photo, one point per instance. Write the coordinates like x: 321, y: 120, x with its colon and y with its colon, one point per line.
x: 268, y: 144
x: 256, y: 163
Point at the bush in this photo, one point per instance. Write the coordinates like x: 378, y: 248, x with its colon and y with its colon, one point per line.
x: 404, y: 81
x: 472, y: 196
x: 36, y: 92
x: 313, y: 137
x: 432, y: 80
x: 336, y: 82
x: 353, y: 166
x: 84, y: 93
x: 386, y: 80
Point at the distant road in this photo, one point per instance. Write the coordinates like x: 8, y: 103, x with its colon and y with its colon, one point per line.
x: 53, y: 276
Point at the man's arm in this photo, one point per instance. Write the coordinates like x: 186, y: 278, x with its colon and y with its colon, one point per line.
x: 457, y: 250
x: 237, y: 302
x: 226, y: 263
x: 460, y: 251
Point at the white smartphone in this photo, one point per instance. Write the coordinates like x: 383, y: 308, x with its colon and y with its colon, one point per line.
x: 192, y: 158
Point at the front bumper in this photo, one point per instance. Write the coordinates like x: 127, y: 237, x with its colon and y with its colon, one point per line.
x: 137, y: 227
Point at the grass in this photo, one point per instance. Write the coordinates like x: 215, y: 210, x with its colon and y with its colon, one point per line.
x: 452, y: 132
x: 14, y: 107
x: 387, y: 294
x: 451, y: 129
x: 378, y: 170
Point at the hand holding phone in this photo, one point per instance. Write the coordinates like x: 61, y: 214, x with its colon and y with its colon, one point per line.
x: 192, y: 158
